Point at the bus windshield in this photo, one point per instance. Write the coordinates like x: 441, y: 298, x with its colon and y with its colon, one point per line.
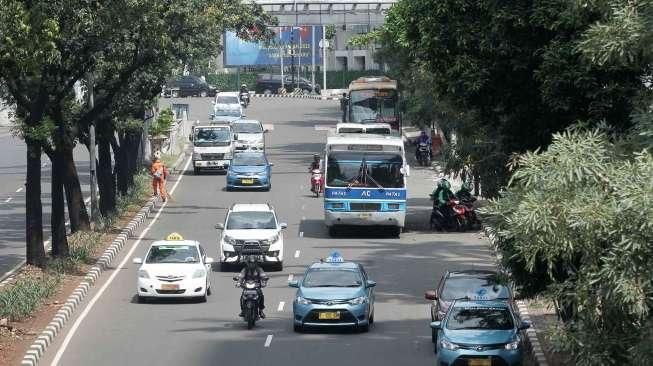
x: 364, y: 169
x: 372, y: 105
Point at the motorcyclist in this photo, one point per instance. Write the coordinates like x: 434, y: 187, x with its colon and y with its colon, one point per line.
x: 465, y: 193
x: 315, y: 164
x: 441, y: 196
x: 423, y: 138
x: 253, y: 272
x: 243, y: 89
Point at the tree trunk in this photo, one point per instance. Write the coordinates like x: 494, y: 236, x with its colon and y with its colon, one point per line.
x: 106, y: 182
x: 35, y: 253
x: 120, y: 154
x: 79, y: 219
x: 58, y: 216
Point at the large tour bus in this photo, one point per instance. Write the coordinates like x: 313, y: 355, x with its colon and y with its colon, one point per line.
x: 365, y: 181
x: 373, y: 100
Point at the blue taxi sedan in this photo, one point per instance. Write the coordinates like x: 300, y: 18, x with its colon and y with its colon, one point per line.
x: 334, y: 293
x: 249, y: 170
x: 479, y: 333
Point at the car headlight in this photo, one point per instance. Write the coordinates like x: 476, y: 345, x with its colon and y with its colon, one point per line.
x: 302, y: 301
x: 229, y: 240
x: 197, y: 156
x: 448, y: 345
x: 358, y: 300
x: 274, y: 253
x: 143, y: 273
x: 512, y: 345
x: 199, y: 273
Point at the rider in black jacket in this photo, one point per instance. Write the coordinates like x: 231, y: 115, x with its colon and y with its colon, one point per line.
x: 253, y: 272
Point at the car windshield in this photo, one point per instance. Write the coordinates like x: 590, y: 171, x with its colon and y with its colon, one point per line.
x: 249, y: 159
x: 227, y: 99
x: 350, y: 130
x: 173, y: 254
x: 324, y: 277
x: 476, y: 288
x: 364, y: 169
x: 247, y: 127
x: 368, y: 105
x: 217, y: 136
x: 228, y: 113
x: 243, y: 220
x: 491, y: 318
x: 378, y: 131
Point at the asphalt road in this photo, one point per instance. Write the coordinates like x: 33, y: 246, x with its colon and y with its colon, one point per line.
x: 12, y: 196
x: 111, y: 328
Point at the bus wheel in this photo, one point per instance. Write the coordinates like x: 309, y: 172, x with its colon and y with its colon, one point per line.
x: 396, y: 232
x: 333, y: 231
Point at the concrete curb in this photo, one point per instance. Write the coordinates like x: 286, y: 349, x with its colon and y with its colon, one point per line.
x: 43, y: 341
x: 318, y: 97
x: 531, y: 336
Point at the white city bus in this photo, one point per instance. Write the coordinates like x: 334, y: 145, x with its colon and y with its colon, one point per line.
x: 365, y: 181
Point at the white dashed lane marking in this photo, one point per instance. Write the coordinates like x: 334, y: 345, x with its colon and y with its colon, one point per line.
x: 296, y: 253
x: 268, y: 340
x: 290, y: 277
x: 19, y: 190
x: 281, y: 304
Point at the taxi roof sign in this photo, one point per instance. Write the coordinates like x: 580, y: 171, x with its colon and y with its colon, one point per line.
x: 174, y: 237
x: 334, y: 257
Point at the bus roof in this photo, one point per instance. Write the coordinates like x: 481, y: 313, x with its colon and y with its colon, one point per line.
x: 373, y: 82
x: 364, y: 139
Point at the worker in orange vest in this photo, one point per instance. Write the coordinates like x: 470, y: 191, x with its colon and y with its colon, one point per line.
x: 159, y: 175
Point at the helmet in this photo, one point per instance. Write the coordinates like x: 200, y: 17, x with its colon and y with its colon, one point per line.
x: 157, y: 154
x: 444, y: 184
x: 316, y: 156
x: 244, y: 86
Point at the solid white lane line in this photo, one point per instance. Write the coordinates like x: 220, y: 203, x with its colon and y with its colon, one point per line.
x: 301, y: 234
x: 290, y: 277
x: 104, y: 287
x: 296, y: 253
x: 19, y: 190
x: 281, y: 304
x: 268, y: 340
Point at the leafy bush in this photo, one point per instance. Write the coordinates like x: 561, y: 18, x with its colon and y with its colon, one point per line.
x: 577, y: 223
x: 20, y: 299
x: 163, y: 123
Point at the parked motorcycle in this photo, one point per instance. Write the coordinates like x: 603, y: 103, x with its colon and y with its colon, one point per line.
x: 424, y: 154
x: 244, y: 99
x: 454, y: 220
x: 316, y: 182
x: 249, y: 300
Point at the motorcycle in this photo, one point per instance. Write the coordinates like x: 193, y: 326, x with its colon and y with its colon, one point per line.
x: 244, y: 99
x: 454, y: 220
x: 316, y: 182
x: 424, y: 154
x: 471, y: 219
x: 249, y: 300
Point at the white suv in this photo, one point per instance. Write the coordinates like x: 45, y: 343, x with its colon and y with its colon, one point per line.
x: 251, y: 225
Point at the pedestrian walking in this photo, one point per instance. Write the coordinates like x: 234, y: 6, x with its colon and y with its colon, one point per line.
x: 159, y: 176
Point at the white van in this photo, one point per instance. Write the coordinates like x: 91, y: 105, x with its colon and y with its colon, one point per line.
x: 249, y: 135
x: 213, y: 147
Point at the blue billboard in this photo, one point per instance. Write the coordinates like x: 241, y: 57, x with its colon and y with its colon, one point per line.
x: 299, y: 39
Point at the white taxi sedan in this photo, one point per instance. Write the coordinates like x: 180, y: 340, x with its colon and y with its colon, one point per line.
x: 174, y: 268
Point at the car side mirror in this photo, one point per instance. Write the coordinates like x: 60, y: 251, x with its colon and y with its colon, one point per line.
x: 235, y: 136
x: 236, y: 278
x: 293, y: 283
x: 208, y: 260
x: 271, y: 164
x: 266, y: 131
x: 219, y: 226
x: 436, y: 325
x: 430, y: 295
x: 283, y: 225
x: 137, y: 261
x: 243, y: 115
x: 524, y: 325
x: 211, y: 116
x: 370, y: 284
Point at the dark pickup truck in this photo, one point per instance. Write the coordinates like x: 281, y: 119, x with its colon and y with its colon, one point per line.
x: 188, y: 86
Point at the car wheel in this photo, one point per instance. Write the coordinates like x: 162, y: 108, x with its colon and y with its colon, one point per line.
x: 208, y: 289
x: 278, y: 267
x: 201, y: 298
x: 298, y: 328
x: 141, y: 299
x: 203, y: 94
x: 333, y: 231
x: 224, y: 267
x: 435, y: 347
x: 434, y: 336
x: 196, y: 171
x: 396, y: 232
x: 364, y: 328
x: 371, y: 318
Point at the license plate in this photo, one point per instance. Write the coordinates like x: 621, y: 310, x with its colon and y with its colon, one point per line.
x: 169, y: 286
x: 247, y: 181
x: 329, y: 315
x: 364, y: 215
x: 479, y: 362
x: 217, y: 163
